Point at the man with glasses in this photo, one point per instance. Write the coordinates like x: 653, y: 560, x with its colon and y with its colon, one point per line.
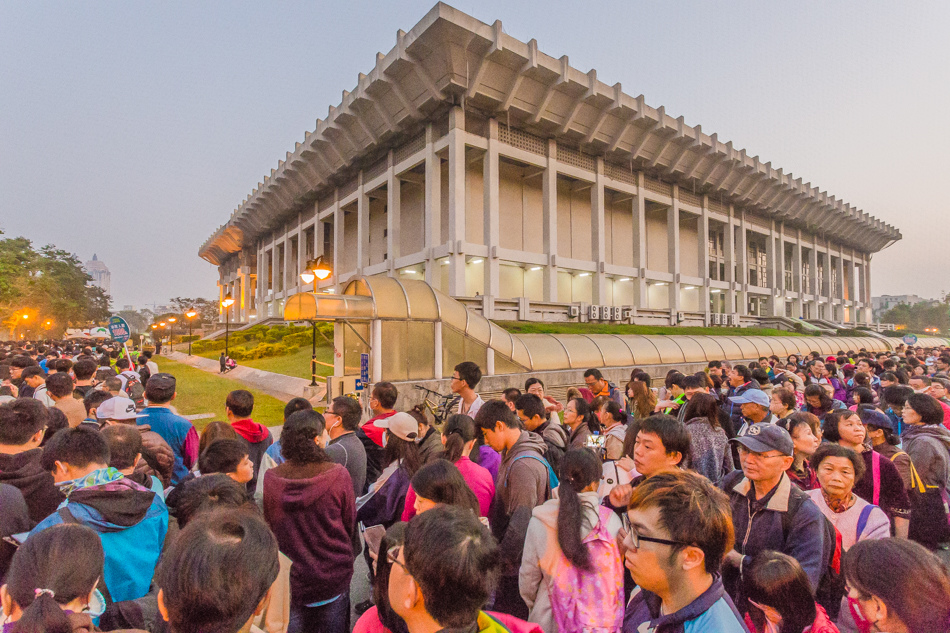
x: 769, y: 513
x: 679, y: 532
x: 345, y: 448
x: 465, y: 378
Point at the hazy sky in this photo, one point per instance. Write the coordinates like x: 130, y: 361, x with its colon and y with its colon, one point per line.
x: 132, y: 129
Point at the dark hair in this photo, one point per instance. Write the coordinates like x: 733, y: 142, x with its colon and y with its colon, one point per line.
x: 418, y: 412
x: 692, y: 510
x: 586, y: 414
x: 638, y: 375
x: 531, y: 382
x: 66, y: 559
x: 349, y: 411
x: 674, y: 377
x: 800, y: 418
x: 240, y: 402
x: 458, y: 431
x: 743, y: 371
x: 672, y: 434
x: 400, y: 449
x: 59, y: 385
x: 223, y: 456
x: 531, y: 405
x: 830, y: 449
x: 927, y: 407
x: 823, y: 397
x: 643, y: 400
x: 895, y: 396
x: 915, y: 587
x: 496, y: 411
x: 595, y: 373
x: 386, y: 393
x: 215, y: 431
x: 217, y: 571
x: 455, y: 561
x: 297, y: 437
x: 125, y: 443
x: 31, y: 371
x: 395, y: 536
x: 865, y: 395
x: 470, y: 372
x: 77, y: 447
x: 440, y: 481
x: 694, y: 381
x: 924, y: 379
x: 703, y: 405
x: 94, y: 398
x: 113, y: 383
x: 580, y: 467
x: 296, y: 404
x: 777, y: 580
x: 208, y: 492
x: 22, y: 362
x: 57, y: 422
x: 830, y: 422
x: 760, y: 376
x: 20, y: 420
x: 511, y: 394
x: 630, y: 437
x: 615, y: 411
x: 786, y: 397
x: 160, y: 395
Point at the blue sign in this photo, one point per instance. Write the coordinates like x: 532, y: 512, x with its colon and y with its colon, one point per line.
x: 910, y: 339
x: 364, y: 370
x: 119, y: 329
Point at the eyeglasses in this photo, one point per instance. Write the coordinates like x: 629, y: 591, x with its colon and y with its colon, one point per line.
x: 633, y: 540
x: 328, y: 412
x: 392, y: 555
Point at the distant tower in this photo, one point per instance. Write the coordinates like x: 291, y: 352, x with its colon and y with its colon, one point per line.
x: 100, y: 274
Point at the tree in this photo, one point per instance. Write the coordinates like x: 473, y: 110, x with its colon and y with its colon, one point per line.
x: 920, y: 316
x: 206, y: 308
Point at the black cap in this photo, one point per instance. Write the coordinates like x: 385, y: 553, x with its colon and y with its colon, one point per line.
x: 161, y: 381
x: 766, y: 436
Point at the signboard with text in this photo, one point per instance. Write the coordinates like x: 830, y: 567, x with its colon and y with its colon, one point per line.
x: 119, y: 329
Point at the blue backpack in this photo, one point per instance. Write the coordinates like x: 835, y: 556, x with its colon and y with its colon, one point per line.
x: 552, y: 478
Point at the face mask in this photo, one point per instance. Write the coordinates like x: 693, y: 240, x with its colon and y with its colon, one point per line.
x: 97, y: 605
x: 863, y: 624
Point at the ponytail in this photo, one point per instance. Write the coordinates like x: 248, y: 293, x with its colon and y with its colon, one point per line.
x: 587, y: 414
x: 458, y: 431
x: 580, y: 468
x: 615, y: 411
x: 44, y: 615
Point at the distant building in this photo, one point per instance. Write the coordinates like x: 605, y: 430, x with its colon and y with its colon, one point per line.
x: 880, y: 305
x: 100, y: 274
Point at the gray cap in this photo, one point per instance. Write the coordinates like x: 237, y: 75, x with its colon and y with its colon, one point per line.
x: 765, y: 436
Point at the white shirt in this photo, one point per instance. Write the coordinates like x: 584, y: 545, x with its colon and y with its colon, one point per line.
x: 43, y: 396
x: 473, y: 409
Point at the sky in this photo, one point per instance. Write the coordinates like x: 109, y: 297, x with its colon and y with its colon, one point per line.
x: 132, y: 129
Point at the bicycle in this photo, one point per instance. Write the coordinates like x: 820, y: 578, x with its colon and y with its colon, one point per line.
x: 440, y: 406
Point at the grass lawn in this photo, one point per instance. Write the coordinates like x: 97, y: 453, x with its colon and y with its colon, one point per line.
x: 201, y: 392
x: 296, y: 364
x: 522, y: 327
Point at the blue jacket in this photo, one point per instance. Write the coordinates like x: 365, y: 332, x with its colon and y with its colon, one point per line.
x: 131, y: 522
x: 174, y: 429
x: 711, y: 611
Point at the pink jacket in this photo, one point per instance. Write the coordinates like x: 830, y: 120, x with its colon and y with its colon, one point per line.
x: 477, y: 478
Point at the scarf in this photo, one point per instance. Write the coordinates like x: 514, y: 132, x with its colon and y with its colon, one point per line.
x: 838, y: 505
x: 99, y: 477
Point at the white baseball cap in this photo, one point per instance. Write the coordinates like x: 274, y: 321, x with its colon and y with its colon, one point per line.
x: 118, y: 408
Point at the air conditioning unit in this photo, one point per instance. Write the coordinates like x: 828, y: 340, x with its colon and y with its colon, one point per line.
x: 680, y: 317
x: 735, y: 319
x: 716, y: 318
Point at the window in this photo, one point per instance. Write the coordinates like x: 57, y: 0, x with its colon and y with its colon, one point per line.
x: 717, y: 255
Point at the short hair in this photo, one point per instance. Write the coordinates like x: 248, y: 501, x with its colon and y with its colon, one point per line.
x: 22, y: 362
x: 692, y: 510
x: 113, y: 383
x: 714, y: 364
x: 223, y: 456
x: 593, y: 371
x: 296, y: 438
x: 160, y: 392
x: 496, y: 411
x: 786, y: 397
x: 694, y: 382
x: 217, y: 571
x: 530, y: 382
x: 59, y: 385
x: 241, y: 402
x: 296, y: 404
x: 455, y: 562
x: 349, y: 411
x: 125, y: 442
x: 530, y: 405
x: 831, y: 421
x: 760, y: 376
x: 94, y: 398
x: 208, y: 492
x: 672, y: 434
x: 31, y: 371
x: 927, y: 407
x: 123, y: 363
x: 78, y: 447
x: 20, y: 420
x: 896, y: 395
x: 924, y: 379
x: 84, y: 369
x: 802, y: 418
x: 831, y: 449
x: 744, y: 371
x: 387, y: 394
x: 470, y: 372
x: 511, y: 394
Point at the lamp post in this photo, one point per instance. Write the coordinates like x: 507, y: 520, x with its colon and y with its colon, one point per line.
x: 171, y: 335
x: 164, y: 326
x: 315, y: 269
x: 226, y: 304
x: 154, y: 327
x: 191, y: 314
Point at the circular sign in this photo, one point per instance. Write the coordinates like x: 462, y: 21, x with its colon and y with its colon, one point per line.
x: 119, y: 329
x: 910, y: 339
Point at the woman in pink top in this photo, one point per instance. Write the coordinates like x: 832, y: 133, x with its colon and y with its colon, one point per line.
x: 458, y: 436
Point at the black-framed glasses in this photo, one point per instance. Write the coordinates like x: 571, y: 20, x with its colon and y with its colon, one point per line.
x: 633, y: 540
x: 392, y: 555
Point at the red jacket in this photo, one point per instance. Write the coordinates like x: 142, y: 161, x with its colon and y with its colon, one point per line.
x: 821, y: 624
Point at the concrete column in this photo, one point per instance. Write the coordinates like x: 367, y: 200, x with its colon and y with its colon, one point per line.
x: 549, y: 228
x: 376, y: 351
x: 490, y: 362
x: 337, y: 242
x: 734, y: 284
x: 673, y: 250
x: 598, y: 238
x: 797, y: 276
x: 702, y: 230
x: 433, y: 205
x: 839, y: 290
x: 362, y: 226
x: 640, y: 241
x: 491, y: 208
x: 776, y: 304
x: 813, y: 275
x: 245, y: 297
x: 302, y: 259
x: 437, y: 358
x: 456, y: 201
x: 338, y: 367
x: 393, y: 214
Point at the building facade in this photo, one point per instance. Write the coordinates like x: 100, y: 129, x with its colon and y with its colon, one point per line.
x: 100, y: 274
x: 880, y: 305
x: 528, y: 189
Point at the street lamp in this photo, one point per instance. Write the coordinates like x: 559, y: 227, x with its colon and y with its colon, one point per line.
x: 314, y: 270
x: 191, y: 314
x: 171, y: 336
x: 226, y: 304
x: 162, y: 325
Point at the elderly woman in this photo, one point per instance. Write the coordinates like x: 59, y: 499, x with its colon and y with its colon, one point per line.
x: 927, y: 442
x: 855, y: 519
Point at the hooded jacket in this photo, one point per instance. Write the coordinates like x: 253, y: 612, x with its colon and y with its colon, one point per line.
x: 521, y: 486
x: 542, y: 552
x: 259, y: 439
x: 14, y: 519
x: 311, y: 509
x: 24, y: 471
x: 131, y: 521
x: 430, y: 446
x: 929, y: 448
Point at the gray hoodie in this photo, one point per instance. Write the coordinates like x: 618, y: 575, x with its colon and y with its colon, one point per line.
x: 929, y: 448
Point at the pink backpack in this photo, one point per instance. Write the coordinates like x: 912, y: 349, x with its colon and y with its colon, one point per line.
x: 590, y: 602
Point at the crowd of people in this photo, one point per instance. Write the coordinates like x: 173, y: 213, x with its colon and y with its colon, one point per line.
x: 780, y: 496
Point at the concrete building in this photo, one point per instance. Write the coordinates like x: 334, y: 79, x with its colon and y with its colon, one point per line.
x: 528, y: 189
x: 100, y: 274
x: 880, y: 305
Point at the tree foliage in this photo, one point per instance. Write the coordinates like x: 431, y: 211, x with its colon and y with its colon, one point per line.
x: 920, y: 316
x: 206, y: 308
x: 48, y: 285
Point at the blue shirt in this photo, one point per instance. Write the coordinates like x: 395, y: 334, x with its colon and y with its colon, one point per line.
x: 711, y: 611
x: 174, y: 430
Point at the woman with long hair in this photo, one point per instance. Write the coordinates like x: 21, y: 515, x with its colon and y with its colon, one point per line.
x: 640, y: 400
x: 614, y: 421
x: 572, y: 540
x: 458, y: 436
x: 386, y: 499
x: 710, y: 452
x: 582, y: 422
x: 780, y: 597
x: 441, y: 483
x: 51, y: 585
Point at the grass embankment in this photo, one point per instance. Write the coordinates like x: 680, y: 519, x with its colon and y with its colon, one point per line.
x: 296, y: 364
x: 522, y: 327
x: 201, y: 392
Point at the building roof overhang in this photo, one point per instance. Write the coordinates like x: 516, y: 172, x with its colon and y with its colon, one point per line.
x: 450, y: 58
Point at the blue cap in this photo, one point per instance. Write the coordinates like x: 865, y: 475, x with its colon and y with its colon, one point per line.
x: 873, y: 417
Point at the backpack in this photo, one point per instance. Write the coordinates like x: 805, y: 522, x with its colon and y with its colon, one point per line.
x: 134, y: 389
x: 831, y: 585
x: 589, y: 600
x: 552, y: 478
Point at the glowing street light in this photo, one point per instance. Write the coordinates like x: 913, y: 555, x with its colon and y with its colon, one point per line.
x: 315, y: 269
x: 171, y: 336
x: 191, y: 314
x: 226, y: 303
